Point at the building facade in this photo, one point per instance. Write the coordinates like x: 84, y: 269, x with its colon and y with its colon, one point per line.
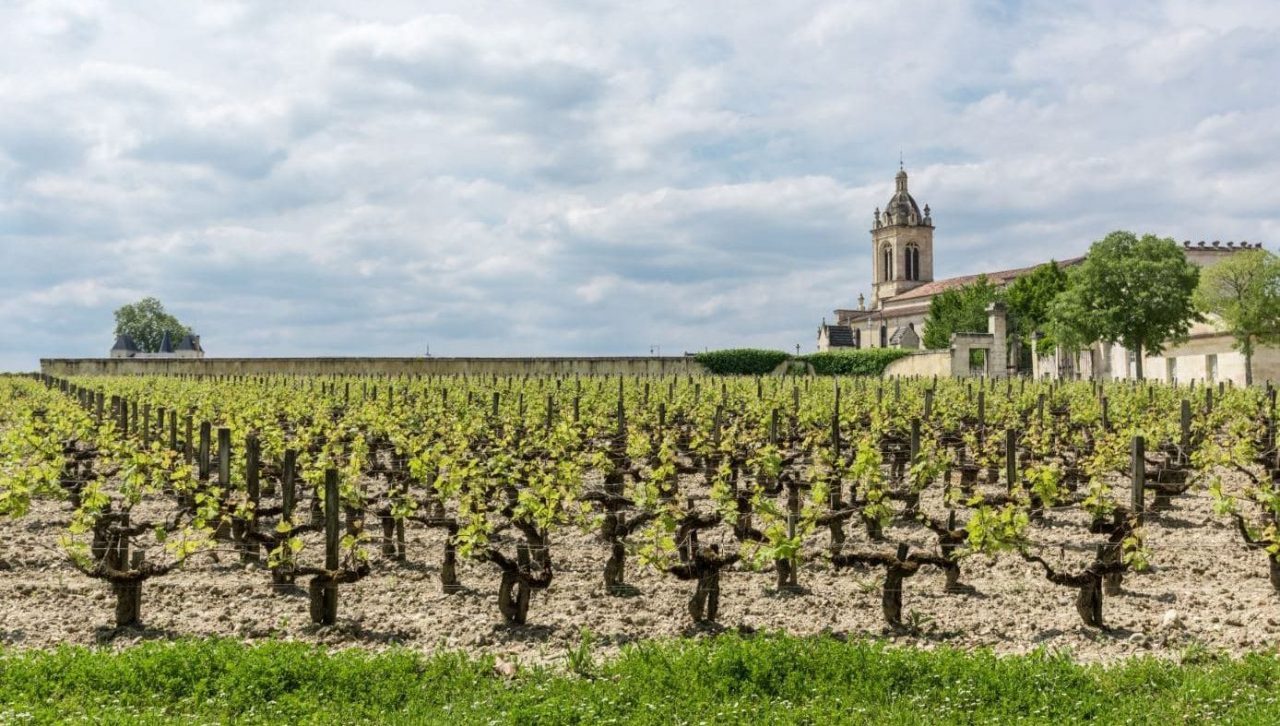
x: 188, y: 347
x: 903, y: 286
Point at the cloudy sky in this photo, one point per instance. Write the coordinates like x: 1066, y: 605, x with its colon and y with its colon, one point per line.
x: 373, y: 178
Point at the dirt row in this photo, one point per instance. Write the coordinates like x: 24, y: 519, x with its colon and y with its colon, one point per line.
x: 1204, y: 590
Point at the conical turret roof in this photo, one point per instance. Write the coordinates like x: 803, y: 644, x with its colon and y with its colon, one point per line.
x: 125, y: 343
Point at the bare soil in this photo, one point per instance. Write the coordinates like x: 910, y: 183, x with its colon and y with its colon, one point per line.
x: 1204, y: 589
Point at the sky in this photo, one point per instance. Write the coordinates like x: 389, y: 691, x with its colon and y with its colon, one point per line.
x: 592, y: 178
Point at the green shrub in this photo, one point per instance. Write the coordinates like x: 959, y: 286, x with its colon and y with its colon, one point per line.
x: 742, y: 361
x: 868, y: 362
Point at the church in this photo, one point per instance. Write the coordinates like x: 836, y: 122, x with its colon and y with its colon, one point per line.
x: 903, y: 285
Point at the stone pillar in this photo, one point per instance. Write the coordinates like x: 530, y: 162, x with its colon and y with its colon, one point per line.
x: 1035, y: 355
x: 998, y: 358
x: 959, y: 359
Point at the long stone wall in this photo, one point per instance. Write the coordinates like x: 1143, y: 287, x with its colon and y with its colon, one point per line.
x: 924, y: 364
x: 652, y: 365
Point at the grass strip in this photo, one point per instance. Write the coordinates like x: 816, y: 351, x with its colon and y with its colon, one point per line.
x: 769, y: 679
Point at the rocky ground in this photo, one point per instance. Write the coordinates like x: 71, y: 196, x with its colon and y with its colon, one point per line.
x: 1204, y: 590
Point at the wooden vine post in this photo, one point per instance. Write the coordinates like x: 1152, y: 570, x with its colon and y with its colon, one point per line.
x: 1124, y: 522
x: 1010, y: 459
x: 224, y: 475
x: 1138, y: 478
x: 324, y: 588
x: 1184, y: 440
x: 249, y: 549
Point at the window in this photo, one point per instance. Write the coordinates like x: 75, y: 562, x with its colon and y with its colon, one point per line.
x: 886, y: 264
x: 912, y: 262
x: 857, y: 337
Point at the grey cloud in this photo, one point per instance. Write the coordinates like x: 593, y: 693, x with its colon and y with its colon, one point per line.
x: 570, y: 178
x: 231, y: 153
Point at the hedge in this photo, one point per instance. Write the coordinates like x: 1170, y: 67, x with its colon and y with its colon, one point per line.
x: 742, y: 361
x: 867, y: 362
x: 758, y: 362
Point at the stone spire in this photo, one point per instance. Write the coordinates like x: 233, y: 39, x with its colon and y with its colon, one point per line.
x: 902, y: 208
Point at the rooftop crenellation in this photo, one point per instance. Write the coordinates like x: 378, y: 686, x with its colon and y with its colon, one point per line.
x: 1243, y: 245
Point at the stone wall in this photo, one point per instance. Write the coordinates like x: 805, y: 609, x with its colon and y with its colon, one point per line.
x: 652, y: 365
x: 1204, y: 358
x: 924, y: 364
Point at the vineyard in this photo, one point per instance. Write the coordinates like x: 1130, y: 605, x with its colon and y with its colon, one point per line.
x: 514, y: 514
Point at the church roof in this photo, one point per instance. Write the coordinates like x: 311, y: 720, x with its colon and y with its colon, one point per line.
x: 999, y: 277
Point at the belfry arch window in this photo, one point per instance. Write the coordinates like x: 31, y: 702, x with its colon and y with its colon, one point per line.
x: 912, y: 262
x: 886, y: 263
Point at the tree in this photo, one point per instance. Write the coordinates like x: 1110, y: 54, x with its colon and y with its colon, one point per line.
x: 146, y: 322
x: 1131, y: 291
x: 959, y: 310
x: 1029, y: 299
x: 1244, y: 292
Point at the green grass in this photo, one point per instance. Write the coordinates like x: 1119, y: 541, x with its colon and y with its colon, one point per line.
x: 764, y: 680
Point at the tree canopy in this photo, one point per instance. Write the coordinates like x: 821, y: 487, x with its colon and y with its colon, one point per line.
x: 1244, y: 292
x: 1030, y: 298
x: 1129, y: 290
x: 959, y: 310
x: 146, y: 322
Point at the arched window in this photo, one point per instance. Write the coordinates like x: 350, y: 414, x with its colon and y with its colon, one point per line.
x: 857, y: 337
x: 884, y: 335
x: 886, y: 264
x: 913, y: 262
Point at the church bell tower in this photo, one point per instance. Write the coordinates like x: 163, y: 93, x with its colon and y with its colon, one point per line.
x: 901, y: 245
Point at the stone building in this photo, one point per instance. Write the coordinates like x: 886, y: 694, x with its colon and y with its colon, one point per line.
x: 903, y: 286
x: 188, y: 347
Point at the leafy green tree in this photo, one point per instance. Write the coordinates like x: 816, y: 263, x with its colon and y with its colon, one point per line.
x: 1129, y: 290
x: 1244, y: 292
x: 959, y: 310
x: 146, y: 322
x: 1029, y: 299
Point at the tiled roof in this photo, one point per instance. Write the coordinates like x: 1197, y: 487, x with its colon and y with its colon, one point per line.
x: 1000, y: 277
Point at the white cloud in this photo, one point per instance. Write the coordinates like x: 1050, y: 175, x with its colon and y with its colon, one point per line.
x: 498, y: 178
